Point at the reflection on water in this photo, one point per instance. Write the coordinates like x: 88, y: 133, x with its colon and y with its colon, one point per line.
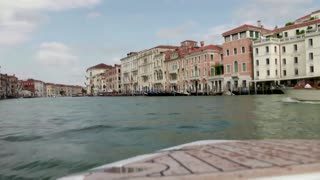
x: 49, y: 138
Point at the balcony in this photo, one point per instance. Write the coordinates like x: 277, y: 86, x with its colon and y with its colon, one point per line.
x: 215, y: 77
x: 173, y: 71
x: 235, y: 75
x: 158, y: 81
x: 195, y: 77
x: 266, y: 41
x: 295, y: 38
x: 174, y: 81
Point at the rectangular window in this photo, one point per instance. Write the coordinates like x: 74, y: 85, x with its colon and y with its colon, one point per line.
x: 267, y: 49
x: 257, y: 51
x: 284, y: 61
x: 205, y: 57
x: 244, y: 67
x: 258, y: 73
x: 285, y: 34
x: 235, y: 37
x: 295, y: 48
x: 296, y: 72
x: 284, y: 49
x: 235, y: 51
x: 228, y: 68
x: 276, y: 72
x: 212, y: 71
x: 267, y: 61
x: 211, y: 57
x: 310, y: 42
x: 268, y: 72
x: 284, y: 72
x: 228, y: 53
x: 296, y: 60
x: 257, y: 62
x: 310, y: 56
x: 243, y: 49
x: 311, y: 69
x: 276, y: 61
x: 251, y: 34
x: 257, y: 34
x: 244, y: 84
x: 243, y: 35
x: 275, y: 49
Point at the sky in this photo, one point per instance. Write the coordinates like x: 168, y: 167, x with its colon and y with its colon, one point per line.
x: 57, y: 40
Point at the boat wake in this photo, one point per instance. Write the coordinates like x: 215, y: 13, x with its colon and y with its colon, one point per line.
x: 292, y: 100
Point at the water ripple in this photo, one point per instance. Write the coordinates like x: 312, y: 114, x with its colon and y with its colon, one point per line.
x: 20, y: 138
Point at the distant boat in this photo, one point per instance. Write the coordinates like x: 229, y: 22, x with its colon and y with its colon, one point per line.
x: 167, y: 94
x: 304, y: 92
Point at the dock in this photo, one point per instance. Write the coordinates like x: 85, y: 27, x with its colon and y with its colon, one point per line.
x: 254, y: 159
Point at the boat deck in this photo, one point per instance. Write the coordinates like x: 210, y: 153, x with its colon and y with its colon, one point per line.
x: 221, y: 160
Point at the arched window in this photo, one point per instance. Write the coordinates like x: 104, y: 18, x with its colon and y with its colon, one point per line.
x: 236, y: 69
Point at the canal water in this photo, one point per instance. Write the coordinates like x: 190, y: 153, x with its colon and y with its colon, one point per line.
x: 51, y: 137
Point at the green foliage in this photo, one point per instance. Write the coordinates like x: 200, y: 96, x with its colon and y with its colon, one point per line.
x: 289, y: 23
x: 218, y: 69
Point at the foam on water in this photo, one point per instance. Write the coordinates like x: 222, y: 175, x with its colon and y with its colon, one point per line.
x: 292, y: 100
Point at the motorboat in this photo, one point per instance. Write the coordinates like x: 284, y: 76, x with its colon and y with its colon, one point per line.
x: 304, y: 92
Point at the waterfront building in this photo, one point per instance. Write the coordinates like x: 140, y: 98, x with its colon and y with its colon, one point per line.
x: 138, y: 69
x: 237, y: 55
x: 9, y: 86
x: 94, y: 77
x: 36, y: 87
x: 51, y: 90
x: 202, y: 69
x: 160, y: 77
x: 175, y: 68
x: 289, y: 53
x: 113, y: 79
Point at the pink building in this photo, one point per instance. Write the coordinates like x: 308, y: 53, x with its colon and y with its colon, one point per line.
x: 203, y: 69
x: 238, y: 57
x: 194, y: 69
x: 175, y: 67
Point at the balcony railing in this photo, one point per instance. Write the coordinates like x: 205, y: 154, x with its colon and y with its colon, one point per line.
x: 265, y: 41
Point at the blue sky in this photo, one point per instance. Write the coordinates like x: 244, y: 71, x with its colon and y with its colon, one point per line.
x: 56, y: 40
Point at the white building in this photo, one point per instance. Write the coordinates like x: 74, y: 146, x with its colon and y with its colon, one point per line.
x: 138, y: 72
x: 94, y: 78
x: 289, y: 53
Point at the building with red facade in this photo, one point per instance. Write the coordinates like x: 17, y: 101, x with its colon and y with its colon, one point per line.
x: 37, y: 88
x: 238, y: 57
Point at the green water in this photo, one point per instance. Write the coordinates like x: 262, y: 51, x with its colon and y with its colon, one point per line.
x: 49, y: 138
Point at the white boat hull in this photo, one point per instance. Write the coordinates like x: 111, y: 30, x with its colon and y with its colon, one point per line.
x: 303, y: 94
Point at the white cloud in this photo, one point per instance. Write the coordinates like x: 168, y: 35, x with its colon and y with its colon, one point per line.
x: 19, y: 18
x: 176, y: 32
x: 93, y: 15
x: 270, y: 12
x: 273, y: 12
x: 55, y: 54
x: 214, y: 34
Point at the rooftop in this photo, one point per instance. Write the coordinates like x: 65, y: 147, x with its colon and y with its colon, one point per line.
x: 100, y: 66
x: 245, y: 27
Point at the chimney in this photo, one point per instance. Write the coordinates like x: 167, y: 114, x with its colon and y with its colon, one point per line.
x: 259, y: 24
x: 202, y: 43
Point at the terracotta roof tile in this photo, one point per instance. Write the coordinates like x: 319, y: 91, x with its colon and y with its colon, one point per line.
x: 308, y: 23
x: 245, y: 27
x: 100, y: 66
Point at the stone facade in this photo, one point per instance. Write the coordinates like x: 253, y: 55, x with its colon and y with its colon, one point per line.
x: 94, y: 78
x: 36, y: 87
x: 294, y: 52
x: 9, y: 86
